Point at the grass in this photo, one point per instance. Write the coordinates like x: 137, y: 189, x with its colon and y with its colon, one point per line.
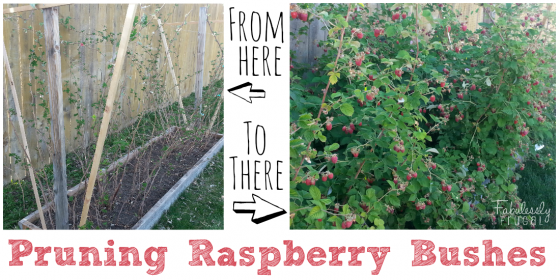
x: 18, y: 199
x: 201, y: 205
x: 18, y: 202
x: 538, y: 185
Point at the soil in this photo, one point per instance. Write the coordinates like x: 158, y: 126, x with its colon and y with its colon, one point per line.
x: 123, y: 196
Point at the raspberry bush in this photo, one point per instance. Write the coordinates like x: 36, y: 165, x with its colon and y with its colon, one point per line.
x: 393, y: 130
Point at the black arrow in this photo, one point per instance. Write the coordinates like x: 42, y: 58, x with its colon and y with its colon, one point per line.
x: 261, y: 209
x: 246, y: 92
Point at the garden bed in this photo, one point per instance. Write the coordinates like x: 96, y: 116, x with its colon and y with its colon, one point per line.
x: 133, y: 192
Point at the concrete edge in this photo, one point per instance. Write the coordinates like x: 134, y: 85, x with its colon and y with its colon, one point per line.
x: 155, y: 213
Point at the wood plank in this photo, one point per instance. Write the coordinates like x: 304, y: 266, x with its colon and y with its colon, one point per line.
x: 29, y: 8
x: 24, y: 86
x: 52, y: 47
x: 41, y: 124
x: 199, y: 82
x: 192, y: 22
x: 11, y: 40
x: 23, y: 136
x: 121, y: 55
x: 170, y: 63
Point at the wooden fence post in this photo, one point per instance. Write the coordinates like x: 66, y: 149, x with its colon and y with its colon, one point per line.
x: 179, y: 98
x: 23, y: 136
x: 113, y: 87
x: 199, y: 82
x: 52, y: 44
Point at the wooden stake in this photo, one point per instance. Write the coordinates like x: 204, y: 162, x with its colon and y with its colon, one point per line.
x: 216, y: 113
x: 170, y: 63
x: 30, y: 8
x: 199, y: 82
x: 52, y: 44
x: 23, y: 136
x: 121, y: 55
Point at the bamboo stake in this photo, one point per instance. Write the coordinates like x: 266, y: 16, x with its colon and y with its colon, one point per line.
x: 215, y: 115
x: 121, y: 55
x: 199, y: 81
x: 170, y: 63
x: 23, y: 137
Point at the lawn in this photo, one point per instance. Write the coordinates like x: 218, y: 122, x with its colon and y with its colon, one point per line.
x: 538, y: 185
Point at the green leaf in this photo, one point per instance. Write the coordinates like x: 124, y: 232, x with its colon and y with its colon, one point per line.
x: 403, y: 54
x: 308, y: 135
x: 394, y: 200
x: 370, y: 193
x: 499, y: 180
x: 332, y: 147
x: 321, y: 137
x: 390, y: 31
x: 420, y: 135
x: 333, y: 79
x: 466, y: 207
x: 358, y: 93
x: 316, y: 213
x: 501, y: 122
x: 426, y: 13
x: 490, y: 146
x: 347, y: 109
x: 315, y: 192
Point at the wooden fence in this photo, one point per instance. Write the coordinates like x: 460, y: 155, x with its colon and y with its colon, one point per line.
x: 87, y: 57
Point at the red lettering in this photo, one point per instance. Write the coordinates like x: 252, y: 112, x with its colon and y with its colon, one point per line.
x: 335, y: 252
x: 290, y: 250
x: 454, y: 256
x: 534, y: 254
x: 69, y: 256
x: 488, y: 251
x: 85, y: 256
x: 124, y: 256
x: 517, y: 252
x: 204, y: 253
x: 469, y: 255
x: 266, y: 262
x: 378, y: 259
x: 419, y: 252
x: 251, y: 259
x: 159, y: 263
x: 316, y: 252
x: 227, y: 259
x: 17, y: 253
x: 41, y: 251
x: 354, y: 256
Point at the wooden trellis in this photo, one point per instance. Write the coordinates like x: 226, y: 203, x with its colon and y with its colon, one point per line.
x: 86, y: 71
x: 54, y: 81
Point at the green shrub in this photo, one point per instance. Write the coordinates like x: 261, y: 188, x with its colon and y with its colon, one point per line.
x: 419, y: 133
